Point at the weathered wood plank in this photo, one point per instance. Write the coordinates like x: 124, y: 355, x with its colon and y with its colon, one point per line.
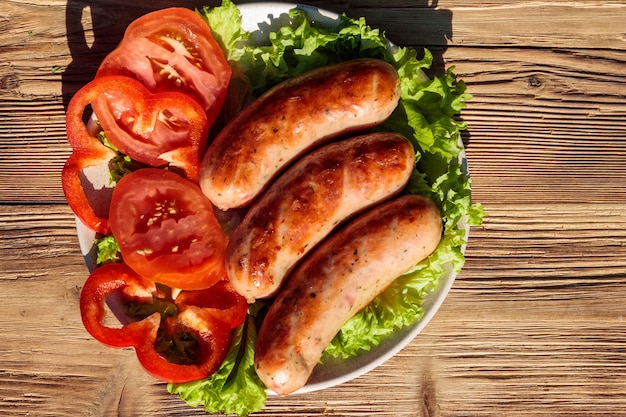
x: 535, y: 277
x: 562, y: 24
x: 538, y: 118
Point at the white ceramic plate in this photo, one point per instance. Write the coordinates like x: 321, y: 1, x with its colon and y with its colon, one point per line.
x: 259, y: 18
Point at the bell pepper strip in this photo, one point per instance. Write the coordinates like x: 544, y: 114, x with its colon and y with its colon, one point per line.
x: 220, y: 302
x: 86, y: 153
x: 154, y: 129
x: 175, y: 340
x: 173, y: 50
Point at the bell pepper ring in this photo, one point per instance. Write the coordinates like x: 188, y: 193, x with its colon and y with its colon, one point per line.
x: 87, y: 153
x: 175, y: 340
x: 154, y: 129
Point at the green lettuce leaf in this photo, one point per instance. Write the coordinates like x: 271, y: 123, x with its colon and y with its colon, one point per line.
x: 107, y: 250
x: 225, y: 24
x: 120, y: 165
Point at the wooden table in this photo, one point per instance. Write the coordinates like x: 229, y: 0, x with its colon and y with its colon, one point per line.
x: 534, y: 325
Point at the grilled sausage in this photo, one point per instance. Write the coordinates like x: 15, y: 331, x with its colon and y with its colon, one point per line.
x: 344, y: 274
x: 306, y: 202
x: 291, y: 118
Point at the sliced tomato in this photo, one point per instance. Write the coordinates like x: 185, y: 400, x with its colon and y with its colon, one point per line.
x: 154, y: 129
x: 173, y: 49
x: 166, y: 229
x: 176, y: 340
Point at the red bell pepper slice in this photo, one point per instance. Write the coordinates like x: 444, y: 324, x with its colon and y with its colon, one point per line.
x: 201, y: 319
x: 87, y: 153
x: 154, y: 129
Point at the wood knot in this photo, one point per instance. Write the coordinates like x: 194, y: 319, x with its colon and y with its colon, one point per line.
x: 428, y: 391
x: 9, y: 82
x: 534, y: 81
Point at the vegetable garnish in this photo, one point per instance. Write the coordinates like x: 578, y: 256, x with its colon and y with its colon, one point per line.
x: 176, y: 340
x: 87, y: 152
x: 176, y: 334
x: 166, y: 229
x: 235, y: 388
x: 164, y: 284
x: 108, y: 251
x: 173, y: 50
x: 154, y: 129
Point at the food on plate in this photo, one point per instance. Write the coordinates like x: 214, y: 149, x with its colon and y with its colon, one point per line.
x: 173, y: 50
x: 340, y: 277
x: 166, y: 229
x: 307, y: 201
x: 291, y: 118
x: 176, y: 340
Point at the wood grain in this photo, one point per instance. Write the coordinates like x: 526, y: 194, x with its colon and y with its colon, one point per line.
x: 544, y: 98
x: 531, y: 316
x: 533, y: 326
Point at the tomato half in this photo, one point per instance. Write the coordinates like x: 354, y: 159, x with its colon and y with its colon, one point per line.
x: 166, y: 229
x: 173, y: 50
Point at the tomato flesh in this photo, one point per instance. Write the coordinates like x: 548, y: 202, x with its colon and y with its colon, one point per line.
x: 166, y: 229
x: 173, y: 50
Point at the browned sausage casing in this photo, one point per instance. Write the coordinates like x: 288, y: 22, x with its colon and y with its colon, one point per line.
x: 344, y: 274
x: 306, y: 202
x: 290, y: 119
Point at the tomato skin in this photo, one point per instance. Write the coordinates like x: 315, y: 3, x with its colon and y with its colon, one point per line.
x: 166, y: 229
x: 173, y: 49
x: 202, y: 320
